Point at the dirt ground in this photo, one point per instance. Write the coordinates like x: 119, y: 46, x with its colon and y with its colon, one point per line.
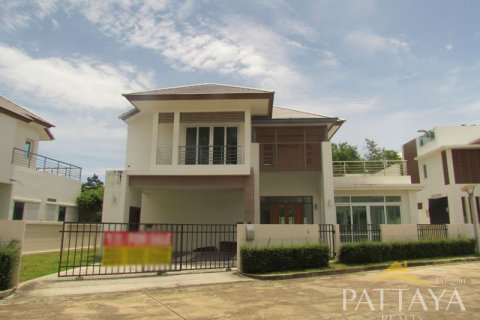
x: 432, y: 292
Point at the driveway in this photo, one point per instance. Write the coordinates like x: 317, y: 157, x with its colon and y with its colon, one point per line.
x: 432, y: 292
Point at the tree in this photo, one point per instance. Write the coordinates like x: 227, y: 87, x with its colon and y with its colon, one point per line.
x: 93, y: 182
x: 344, y: 151
x: 90, y: 201
x: 374, y: 152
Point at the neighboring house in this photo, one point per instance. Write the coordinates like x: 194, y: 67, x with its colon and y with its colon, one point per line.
x: 444, y: 160
x: 32, y: 186
x: 214, y: 153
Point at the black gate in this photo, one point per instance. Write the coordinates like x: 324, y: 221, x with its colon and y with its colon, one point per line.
x: 327, y: 236
x: 194, y: 246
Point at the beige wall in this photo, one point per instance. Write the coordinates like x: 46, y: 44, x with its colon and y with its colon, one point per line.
x: 42, y: 237
x: 34, y: 187
x: 139, y: 142
x: 192, y: 206
x: 276, y: 235
x: 5, y: 196
x: 398, y: 232
x: 114, y: 198
x: 7, y: 142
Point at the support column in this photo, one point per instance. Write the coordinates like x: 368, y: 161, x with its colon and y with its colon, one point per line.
x: 176, y: 137
x: 326, y: 186
x: 249, y: 198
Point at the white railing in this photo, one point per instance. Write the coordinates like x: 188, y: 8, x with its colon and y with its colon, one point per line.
x: 371, y: 168
x: 211, y: 155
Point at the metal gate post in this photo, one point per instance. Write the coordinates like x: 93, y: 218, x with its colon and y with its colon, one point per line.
x: 61, y: 249
x: 181, y: 246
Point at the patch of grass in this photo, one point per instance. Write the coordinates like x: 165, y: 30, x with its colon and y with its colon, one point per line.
x: 43, y: 264
x: 38, y: 265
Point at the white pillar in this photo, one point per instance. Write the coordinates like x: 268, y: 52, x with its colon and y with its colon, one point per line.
x: 326, y: 186
x: 176, y: 137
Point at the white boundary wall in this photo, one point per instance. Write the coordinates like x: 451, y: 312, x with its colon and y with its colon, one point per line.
x: 266, y: 235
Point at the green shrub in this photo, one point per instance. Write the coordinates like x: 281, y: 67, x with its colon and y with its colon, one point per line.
x: 9, y: 257
x: 271, y: 259
x: 405, y: 250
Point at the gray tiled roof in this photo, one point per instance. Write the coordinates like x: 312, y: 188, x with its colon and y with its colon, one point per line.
x: 205, y: 88
x: 285, y: 113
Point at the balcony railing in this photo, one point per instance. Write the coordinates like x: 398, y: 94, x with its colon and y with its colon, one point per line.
x: 370, y: 168
x: 211, y: 155
x: 41, y: 163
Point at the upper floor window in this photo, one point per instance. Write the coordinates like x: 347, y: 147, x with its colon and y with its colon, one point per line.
x: 425, y: 175
x: 27, y: 148
x: 210, y: 145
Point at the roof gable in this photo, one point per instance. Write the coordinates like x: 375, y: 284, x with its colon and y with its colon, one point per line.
x: 14, y: 110
x: 205, y: 88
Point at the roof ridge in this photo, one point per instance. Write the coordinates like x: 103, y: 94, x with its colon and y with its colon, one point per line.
x: 199, y: 84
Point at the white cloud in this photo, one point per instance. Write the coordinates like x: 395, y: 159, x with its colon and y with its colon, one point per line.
x: 371, y: 43
x: 19, y: 14
x: 79, y: 83
x: 449, y: 47
x: 231, y: 46
x: 329, y: 59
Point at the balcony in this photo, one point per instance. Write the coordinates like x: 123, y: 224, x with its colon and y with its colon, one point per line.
x: 45, y: 164
x: 369, y: 168
x: 202, y: 155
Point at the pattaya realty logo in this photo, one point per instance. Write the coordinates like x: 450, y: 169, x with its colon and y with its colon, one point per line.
x: 405, y: 296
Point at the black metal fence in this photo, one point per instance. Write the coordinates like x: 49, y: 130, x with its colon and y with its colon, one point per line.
x: 327, y: 236
x: 194, y: 246
x: 432, y: 231
x: 350, y: 233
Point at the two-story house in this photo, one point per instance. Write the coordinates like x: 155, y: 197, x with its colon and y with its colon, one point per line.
x: 213, y: 153
x: 445, y: 159
x: 32, y: 186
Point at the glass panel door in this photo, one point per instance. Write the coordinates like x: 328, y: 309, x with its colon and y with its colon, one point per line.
x: 393, y: 215
x: 281, y: 214
x: 203, y: 142
x: 377, y: 214
x: 231, y: 145
x: 359, y: 214
x: 191, y: 146
x: 218, y: 145
x: 343, y: 215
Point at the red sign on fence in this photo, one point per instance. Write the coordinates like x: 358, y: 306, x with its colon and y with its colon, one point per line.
x: 136, y: 248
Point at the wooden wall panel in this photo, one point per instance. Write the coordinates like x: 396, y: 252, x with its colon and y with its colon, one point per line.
x: 195, y: 117
x: 466, y: 165
x: 409, y: 154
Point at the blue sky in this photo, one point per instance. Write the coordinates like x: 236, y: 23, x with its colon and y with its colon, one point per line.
x: 388, y: 67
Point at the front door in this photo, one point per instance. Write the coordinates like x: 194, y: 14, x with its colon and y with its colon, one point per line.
x: 438, y: 209
x: 134, y: 218
x: 286, y: 213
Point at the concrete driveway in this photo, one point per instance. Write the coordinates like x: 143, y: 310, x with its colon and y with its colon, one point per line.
x: 432, y: 292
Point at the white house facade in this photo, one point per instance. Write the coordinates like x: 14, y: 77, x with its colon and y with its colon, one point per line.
x: 32, y: 186
x: 214, y: 153
x: 443, y: 160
